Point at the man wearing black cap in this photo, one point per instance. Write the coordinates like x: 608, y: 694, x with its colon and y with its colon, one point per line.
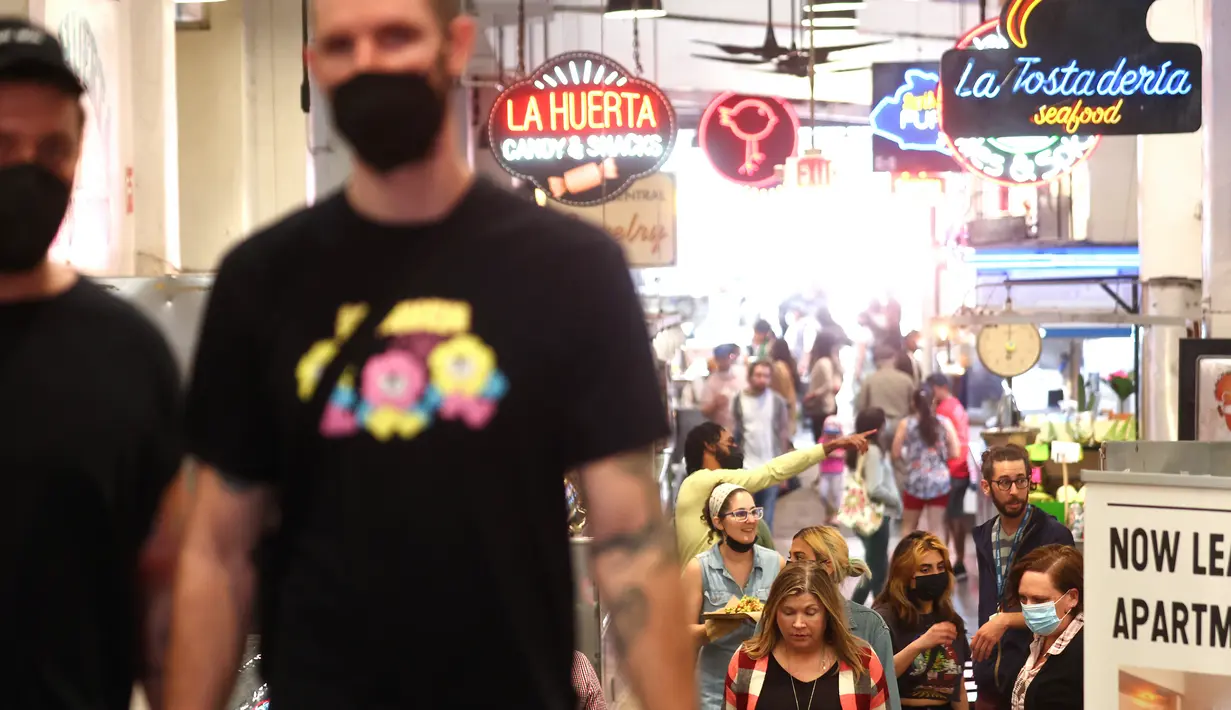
x: 87, y: 427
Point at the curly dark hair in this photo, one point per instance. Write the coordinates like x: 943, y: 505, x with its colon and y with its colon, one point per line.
x: 703, y: 435
x: 1000, y: 454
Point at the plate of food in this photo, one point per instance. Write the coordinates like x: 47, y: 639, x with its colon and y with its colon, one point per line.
x: 749, y: 608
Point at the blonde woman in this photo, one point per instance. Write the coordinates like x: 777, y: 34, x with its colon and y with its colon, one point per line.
x: 929, y: 638
x: 827, y: 547
x: 803, y: 656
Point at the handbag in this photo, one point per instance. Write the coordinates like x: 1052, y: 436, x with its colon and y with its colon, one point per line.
x: 858, y: 511
x: 886, y: 491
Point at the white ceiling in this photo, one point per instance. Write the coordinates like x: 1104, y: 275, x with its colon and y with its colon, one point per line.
x: 668, y: 46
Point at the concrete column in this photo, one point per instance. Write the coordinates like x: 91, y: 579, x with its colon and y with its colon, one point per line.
x: 1217, y: 171
x: 150, y: 45
x: 214, y: 184
x: 1169, y: 172
x: 276, y: 128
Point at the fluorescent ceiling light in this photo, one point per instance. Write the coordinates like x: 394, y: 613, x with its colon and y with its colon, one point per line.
x: 834, y: 6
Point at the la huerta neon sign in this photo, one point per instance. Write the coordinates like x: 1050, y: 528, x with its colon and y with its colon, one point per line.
x: 1076, y: 68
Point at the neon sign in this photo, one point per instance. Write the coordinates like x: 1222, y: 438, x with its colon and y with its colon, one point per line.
x: 906, y: 119
x: 747, y: 137
x: 582, y: 129
x: 1017, y: 161
x: 1084, y: 68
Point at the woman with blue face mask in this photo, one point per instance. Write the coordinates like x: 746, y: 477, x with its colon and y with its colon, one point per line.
x: 1048, y: 584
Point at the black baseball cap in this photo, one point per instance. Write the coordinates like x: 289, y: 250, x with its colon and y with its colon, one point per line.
x: 29, y: 52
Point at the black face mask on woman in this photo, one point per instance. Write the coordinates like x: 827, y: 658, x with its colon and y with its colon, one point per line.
x: 390, y: 120
x: 930, y: 587
x: 33, y: 202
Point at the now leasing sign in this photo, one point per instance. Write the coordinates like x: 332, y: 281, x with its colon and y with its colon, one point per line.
x: 641, y: 219
x: 1072, y: 67
x: 1157, y: 591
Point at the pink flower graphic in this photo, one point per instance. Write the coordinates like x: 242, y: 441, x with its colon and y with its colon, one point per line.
x: 338, y: 422
x: 475, y: 412
x: 393, y: 379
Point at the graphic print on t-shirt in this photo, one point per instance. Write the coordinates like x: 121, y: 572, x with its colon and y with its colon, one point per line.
x: 431, y: 367
x: 937, y: 673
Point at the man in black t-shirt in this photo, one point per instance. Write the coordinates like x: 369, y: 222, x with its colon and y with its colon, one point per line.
x: 88, y: 425
x: 423, y: 353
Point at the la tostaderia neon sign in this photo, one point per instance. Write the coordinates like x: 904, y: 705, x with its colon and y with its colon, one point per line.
x: 1064, y: 66
x: 582, y: 128
x: 1035, y: 78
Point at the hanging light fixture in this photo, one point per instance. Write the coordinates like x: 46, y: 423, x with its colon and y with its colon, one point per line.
x: 833, y: 5
x: 634, y: 9
x: 842, y: 19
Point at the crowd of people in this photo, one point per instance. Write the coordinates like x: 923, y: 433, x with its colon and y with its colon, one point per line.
x: 910, y: 458
x: 330, y: 422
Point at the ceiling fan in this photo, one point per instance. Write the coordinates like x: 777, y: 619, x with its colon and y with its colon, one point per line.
x: 795, y: 62
x: 768, y: 51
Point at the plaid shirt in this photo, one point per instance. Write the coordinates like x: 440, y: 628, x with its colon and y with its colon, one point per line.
x: 585, y: 684
x: 746, y: 677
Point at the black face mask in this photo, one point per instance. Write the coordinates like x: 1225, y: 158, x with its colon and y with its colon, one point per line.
x: 390, y: 120
x: 737, y: 546
x: 33, y: 202
x: 930, y: 587
x: 732, y: 460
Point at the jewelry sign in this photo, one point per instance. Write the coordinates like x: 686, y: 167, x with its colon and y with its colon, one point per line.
x: 582, y: 128
x: 1072, y: 67
x: 747, y: 137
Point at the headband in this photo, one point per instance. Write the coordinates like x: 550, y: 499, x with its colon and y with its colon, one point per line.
x: 719, y: 496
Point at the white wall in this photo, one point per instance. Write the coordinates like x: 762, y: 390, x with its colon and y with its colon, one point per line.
x: 243, y: 142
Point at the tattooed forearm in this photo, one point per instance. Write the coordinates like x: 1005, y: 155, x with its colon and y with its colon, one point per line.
x: 630, y: 612
x: 654, y: 535
x: 633, y: 557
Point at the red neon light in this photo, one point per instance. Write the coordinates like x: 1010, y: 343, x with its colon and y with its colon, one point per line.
x: 581, y: 128
x: 987, y: 29
x: 1016, y: 17
x: 730, y: 118
x: 757, y: 127
x: 813, y: 171
x: 581, y: 110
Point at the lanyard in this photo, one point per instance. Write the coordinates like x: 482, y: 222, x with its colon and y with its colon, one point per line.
x: 1017, y: 538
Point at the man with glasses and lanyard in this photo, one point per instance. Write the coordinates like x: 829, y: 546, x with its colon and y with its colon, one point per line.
x: 1001, y: 646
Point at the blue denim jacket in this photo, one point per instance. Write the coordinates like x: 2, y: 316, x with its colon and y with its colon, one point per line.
x: 717, y: 588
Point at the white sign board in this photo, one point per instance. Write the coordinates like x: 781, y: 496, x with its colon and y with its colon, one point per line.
x: 1158, y: 596
x: 642, y: 220
x: 90, y: 31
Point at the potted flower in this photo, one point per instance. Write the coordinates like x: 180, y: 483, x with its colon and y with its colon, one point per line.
x: 1124, y: 384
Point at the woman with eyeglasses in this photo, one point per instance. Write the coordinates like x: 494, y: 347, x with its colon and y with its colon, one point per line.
x: 734, y: 568
x: 803, y: 656
x: 929, y: 637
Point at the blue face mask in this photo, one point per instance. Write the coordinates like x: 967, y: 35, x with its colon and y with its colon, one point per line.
x: 1042, y: 618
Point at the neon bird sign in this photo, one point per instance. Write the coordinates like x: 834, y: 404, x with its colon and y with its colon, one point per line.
x: 1081, y: 66
x: 747, y: 137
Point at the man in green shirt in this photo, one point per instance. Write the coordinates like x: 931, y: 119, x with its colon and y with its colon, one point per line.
x: 712, y: 457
